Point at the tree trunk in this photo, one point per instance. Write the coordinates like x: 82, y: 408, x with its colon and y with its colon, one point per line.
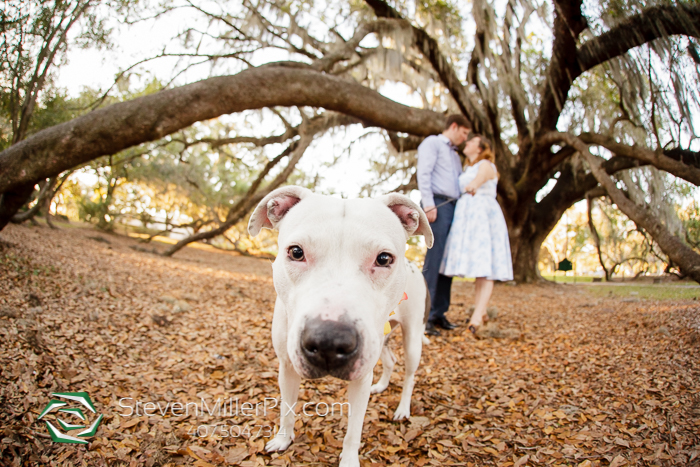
x: 529, y: 222
x: 45, y: 187
x: 11, y: 201
x: 526, y: 253
x: 596, y: 237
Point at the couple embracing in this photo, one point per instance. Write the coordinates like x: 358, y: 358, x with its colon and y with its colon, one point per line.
x: 471, y: 236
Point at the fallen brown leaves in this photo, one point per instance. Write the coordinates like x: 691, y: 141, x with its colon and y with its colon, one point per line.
x: 588, y: 382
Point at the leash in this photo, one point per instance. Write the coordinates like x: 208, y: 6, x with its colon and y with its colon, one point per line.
x: 449, y: 200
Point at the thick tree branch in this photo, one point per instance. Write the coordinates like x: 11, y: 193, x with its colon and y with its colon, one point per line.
x: 569, y: 22
x: 46, y: 194
x: 120, y: 126
x: 572, y: 186
x: 677, y: 251
x: 430, y: 49
x: 688, y: 171
x: 568, y: 63
x: 653, y: 23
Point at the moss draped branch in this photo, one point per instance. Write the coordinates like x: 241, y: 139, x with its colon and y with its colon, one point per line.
x: 569, y: 62
x: 680, y: 253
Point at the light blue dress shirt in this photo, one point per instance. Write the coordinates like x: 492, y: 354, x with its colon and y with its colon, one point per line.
x: 439, y: 168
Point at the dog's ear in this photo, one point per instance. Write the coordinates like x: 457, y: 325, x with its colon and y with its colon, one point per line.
x: 411, y: 216
x: 274, y: 207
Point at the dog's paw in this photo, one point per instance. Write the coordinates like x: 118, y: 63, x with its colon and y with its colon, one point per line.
x: 377, y: 388
x: 349, y: 460
x: 278, y: 443
x: 403, y: 412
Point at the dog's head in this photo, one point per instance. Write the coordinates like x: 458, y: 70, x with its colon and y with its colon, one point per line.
x: 339, y: 272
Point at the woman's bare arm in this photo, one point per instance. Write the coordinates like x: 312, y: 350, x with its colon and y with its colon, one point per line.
x: 486, y: 172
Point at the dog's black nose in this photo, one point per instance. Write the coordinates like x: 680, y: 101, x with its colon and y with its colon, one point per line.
x: 330, y: 345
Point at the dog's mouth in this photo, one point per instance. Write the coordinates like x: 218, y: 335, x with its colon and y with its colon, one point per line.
x: 312, y: 372
x: 330, y: 348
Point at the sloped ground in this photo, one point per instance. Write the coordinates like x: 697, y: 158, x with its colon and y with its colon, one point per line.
x: 590, y: 381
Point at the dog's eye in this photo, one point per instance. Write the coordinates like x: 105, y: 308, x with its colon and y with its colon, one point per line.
x: 384, y: 260
x: 296, y: 253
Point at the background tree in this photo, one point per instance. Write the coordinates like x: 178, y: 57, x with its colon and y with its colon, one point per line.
x: 36, y: 36
x: 538, y: 79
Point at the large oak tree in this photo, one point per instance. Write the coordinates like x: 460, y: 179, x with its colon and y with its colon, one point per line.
x: 528, y: 77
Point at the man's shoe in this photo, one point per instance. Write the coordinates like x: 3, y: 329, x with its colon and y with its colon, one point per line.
x: 443, y: 323
x: 430, y: 329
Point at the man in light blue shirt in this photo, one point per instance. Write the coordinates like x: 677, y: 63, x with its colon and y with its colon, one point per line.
x: 439, y: 168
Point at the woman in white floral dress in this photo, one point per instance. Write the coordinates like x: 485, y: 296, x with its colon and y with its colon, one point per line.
x: 478, y: 244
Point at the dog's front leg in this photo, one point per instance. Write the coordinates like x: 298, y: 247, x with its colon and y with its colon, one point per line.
x: 413, y: 346
x: 289, y: 382
x: 358, y: 397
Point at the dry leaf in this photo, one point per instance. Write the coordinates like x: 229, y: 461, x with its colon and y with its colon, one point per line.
x: 582, y: 382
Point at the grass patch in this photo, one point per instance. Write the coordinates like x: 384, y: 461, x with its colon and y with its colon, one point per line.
x: 653, y: 292
x: 568, y: 279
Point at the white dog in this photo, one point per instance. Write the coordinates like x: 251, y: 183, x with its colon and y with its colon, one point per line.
x: 339, y: 274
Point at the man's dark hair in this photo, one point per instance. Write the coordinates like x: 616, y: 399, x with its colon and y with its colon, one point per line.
x: 459, y: 119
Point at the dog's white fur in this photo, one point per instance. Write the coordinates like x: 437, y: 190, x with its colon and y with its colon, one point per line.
x: 340, y: 279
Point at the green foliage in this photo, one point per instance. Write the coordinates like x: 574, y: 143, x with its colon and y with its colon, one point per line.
x: 667, y: 291
x: 444, y: 12
x: 97, y: 210
x: 690, y: 216
x: 54, y: 108
x: 36, y: 37
x: 180, y: 182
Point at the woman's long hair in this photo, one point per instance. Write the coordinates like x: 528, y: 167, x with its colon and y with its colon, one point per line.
x: 486, y: 150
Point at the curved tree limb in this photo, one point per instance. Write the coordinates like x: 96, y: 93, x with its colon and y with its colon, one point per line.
x: 571, y: 187
x: 655, y: 22
x: 569, y: 22
x: 687, y: 171
x: 12, y: 201
x: 677, y: 251
x: 120, y: 126
x: 568, y: 62
x: 676, y: 165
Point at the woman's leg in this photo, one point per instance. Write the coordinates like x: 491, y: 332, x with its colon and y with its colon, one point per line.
x: 484, y: 288
x: 477, y: 296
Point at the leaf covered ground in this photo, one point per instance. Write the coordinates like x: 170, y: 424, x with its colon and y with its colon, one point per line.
x: 578, y: 380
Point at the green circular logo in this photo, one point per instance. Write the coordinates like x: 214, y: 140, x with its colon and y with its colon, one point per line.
x: 61, y: 408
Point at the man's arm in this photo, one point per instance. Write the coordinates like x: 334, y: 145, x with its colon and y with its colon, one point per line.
x: 427, y: 157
